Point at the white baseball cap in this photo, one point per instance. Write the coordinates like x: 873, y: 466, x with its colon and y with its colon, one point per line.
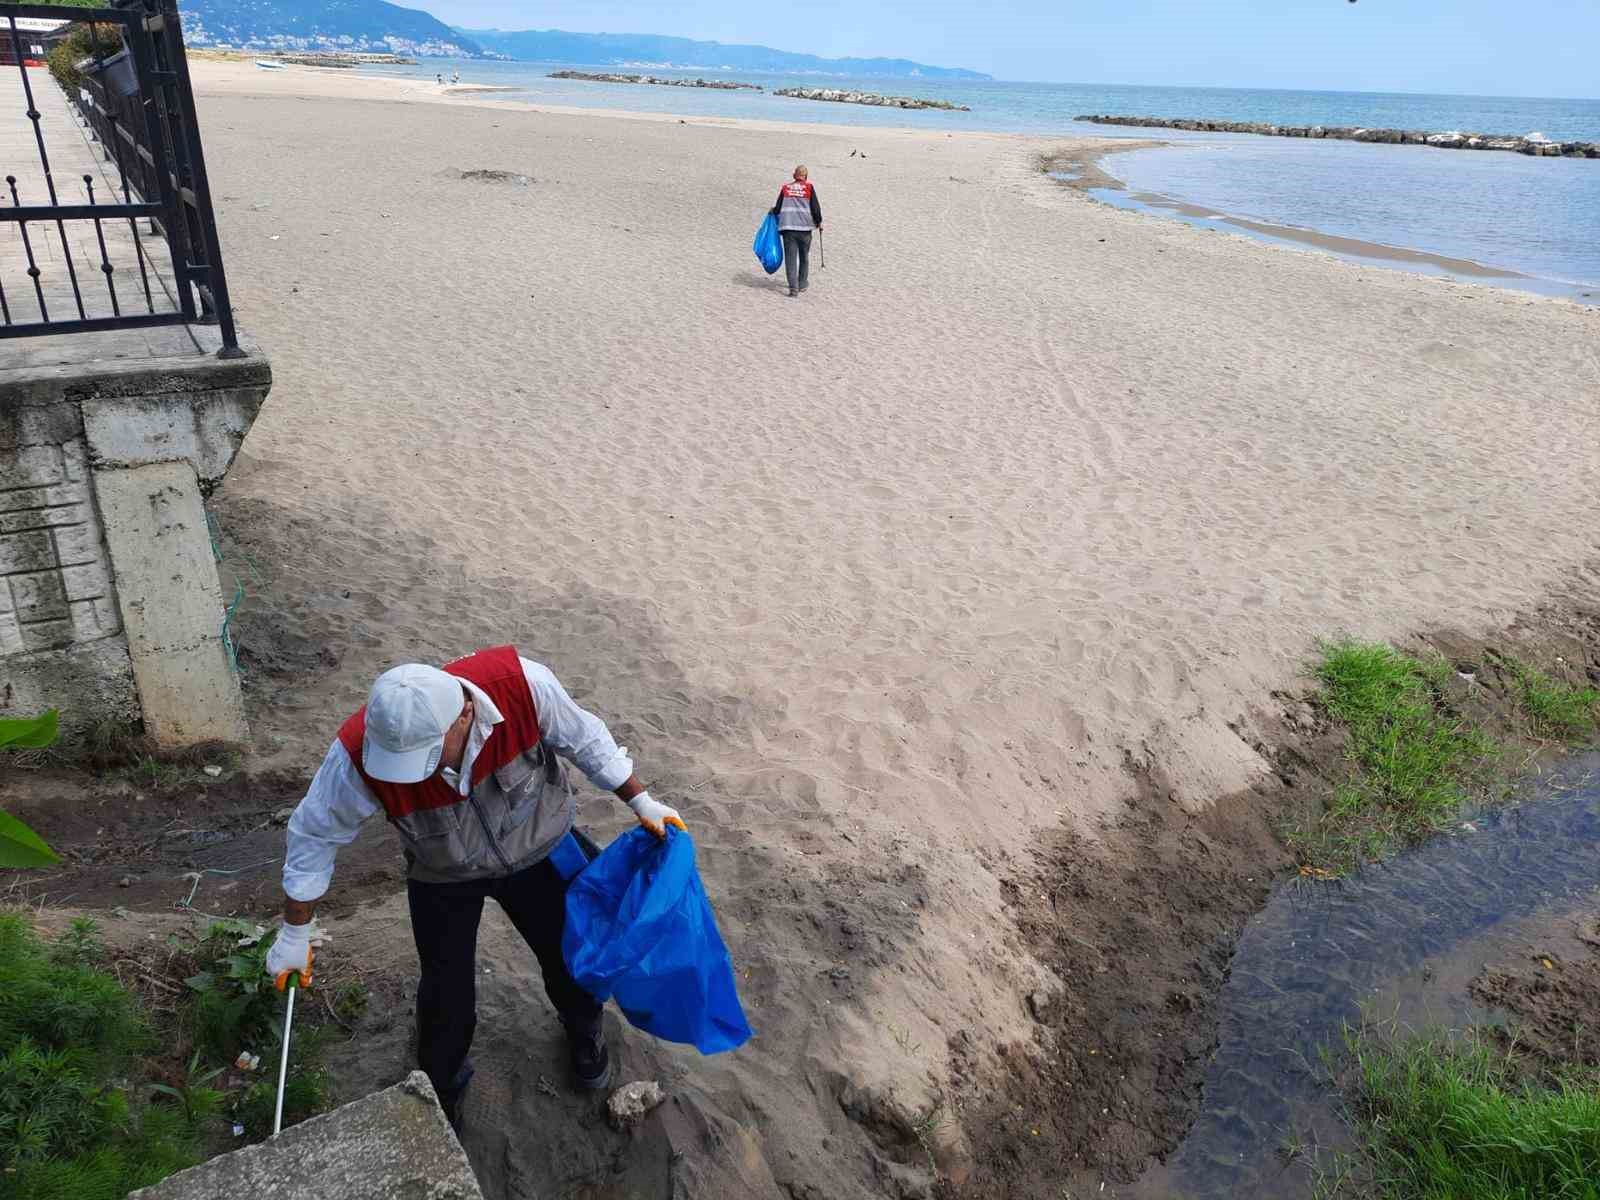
x: 407, y: 714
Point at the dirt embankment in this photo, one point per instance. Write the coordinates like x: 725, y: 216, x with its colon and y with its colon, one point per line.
x: 1551, y: 996
x: 1139, y: 928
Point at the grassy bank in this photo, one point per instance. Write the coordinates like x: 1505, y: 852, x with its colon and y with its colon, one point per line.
x: 102, y: 1092
x: 73, y: 1123
x: 1440, y: 1117
x: 1425, y: 740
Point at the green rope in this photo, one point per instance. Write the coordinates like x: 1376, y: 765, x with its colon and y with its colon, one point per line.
x: 232, y: 609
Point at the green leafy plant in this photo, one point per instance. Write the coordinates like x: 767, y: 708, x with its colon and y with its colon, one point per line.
x: 198, y: 1101
x: 305, y: 1093
x: 235, y: 1001
x: 70, y: 1035
x: 79, y: 946
x: 19, y: 845
x: 87, y: 40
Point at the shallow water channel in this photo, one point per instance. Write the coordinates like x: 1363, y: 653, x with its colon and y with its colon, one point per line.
x: 1406, y: 939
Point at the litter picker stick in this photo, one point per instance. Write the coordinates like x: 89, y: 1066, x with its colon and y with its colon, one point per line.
x: 283, y: 1064
x: 822, y: 254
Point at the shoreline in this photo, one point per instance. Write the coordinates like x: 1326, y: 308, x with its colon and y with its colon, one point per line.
x: 1085, y: 173
x: 1095, y: 182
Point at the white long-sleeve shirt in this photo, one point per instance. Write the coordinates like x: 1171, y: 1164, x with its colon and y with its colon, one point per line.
x: 338, y: 800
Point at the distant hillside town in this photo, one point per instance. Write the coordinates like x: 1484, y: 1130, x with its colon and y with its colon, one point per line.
x: 356, y: 26
x: 375, y: 26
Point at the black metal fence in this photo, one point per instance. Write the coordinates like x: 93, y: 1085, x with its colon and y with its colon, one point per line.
x: 147, y: 201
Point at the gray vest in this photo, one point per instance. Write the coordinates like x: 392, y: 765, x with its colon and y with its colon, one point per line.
x: 508, y: 822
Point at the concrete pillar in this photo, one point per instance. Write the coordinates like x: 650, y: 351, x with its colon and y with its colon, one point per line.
x: 110, y: 607
x: 160, y: 543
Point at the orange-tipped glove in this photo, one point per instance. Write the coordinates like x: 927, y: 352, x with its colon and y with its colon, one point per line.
x: 654, y: 815
x: 291, y: 953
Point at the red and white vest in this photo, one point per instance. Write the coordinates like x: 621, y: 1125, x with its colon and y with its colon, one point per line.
x: 519, y: 805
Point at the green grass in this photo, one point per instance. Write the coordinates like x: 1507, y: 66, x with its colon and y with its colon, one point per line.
x: 1556, y: 711
x: 70, y: 1124
x: 1414, y: 762
x: 1439, y: 1118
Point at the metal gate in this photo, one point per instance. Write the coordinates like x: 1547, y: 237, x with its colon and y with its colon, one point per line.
x: 142, y: 218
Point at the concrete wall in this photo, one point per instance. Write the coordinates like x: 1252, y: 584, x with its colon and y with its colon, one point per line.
x: 393, y: 1145
x: 110, y: 607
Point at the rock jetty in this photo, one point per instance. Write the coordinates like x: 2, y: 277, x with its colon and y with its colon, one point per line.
x: 721, y: 85
x: 1535, y: 144
x: 839, y: 96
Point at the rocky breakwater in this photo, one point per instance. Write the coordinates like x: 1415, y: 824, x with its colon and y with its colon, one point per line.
x: 840, y: 96
x: 721, y: 85
x: 1535, y: 144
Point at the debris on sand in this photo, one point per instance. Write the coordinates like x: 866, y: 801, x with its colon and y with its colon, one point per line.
x: 632, y: 1102
x: 510, y: 177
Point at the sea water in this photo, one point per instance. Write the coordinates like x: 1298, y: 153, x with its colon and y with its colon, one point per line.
x: 1536, y: 216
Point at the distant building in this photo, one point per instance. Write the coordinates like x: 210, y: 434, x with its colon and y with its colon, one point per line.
x: 35, y: 38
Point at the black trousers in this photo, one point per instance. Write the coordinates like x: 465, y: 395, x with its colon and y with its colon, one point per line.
x: 444, y: 921
x: 797, y: 258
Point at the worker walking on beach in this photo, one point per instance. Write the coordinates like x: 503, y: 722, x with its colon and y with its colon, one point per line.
x: 463, y: 762
x: 799, y: 212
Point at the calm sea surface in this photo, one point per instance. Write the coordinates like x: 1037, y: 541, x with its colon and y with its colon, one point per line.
x: 1540, y: 217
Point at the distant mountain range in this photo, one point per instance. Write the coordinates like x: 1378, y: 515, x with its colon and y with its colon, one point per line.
x: 377, y: 26
x: 649, y: 50
x: 360, y: 25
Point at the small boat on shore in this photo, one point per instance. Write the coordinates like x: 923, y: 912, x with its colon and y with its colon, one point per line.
x: 270, y: 66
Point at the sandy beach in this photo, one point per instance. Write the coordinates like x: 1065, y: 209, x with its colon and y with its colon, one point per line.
x: 1026, y: 503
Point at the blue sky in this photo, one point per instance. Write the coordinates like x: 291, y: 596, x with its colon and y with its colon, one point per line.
x: 1483, y: 47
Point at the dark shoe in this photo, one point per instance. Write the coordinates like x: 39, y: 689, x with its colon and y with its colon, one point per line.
x: 804, y: 286
x: 453, y: 1099
x: 591, y: 1061
x: 455, y: 1110
x: 793, y: 293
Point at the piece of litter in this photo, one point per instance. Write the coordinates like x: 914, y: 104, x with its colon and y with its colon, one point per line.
x: 238, y: 1131
x: 213, y: 771
x: 1548, y: 965
x: 247, y: 1061
x: 632, y: 1102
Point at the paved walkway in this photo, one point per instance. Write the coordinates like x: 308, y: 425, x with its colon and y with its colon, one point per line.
x: 63, y: 249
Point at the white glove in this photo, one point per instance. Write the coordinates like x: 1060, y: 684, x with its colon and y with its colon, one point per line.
x: 654, y: 815
x: 291, y: 952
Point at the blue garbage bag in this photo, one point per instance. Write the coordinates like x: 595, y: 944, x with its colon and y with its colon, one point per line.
x: 769, y: 245
x: 640, y: 929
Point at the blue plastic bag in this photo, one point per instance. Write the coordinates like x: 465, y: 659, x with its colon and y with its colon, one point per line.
x: 769, y: 245
x: 640, y: 929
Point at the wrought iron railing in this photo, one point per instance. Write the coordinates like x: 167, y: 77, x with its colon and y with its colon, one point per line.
x: 139, y: 106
